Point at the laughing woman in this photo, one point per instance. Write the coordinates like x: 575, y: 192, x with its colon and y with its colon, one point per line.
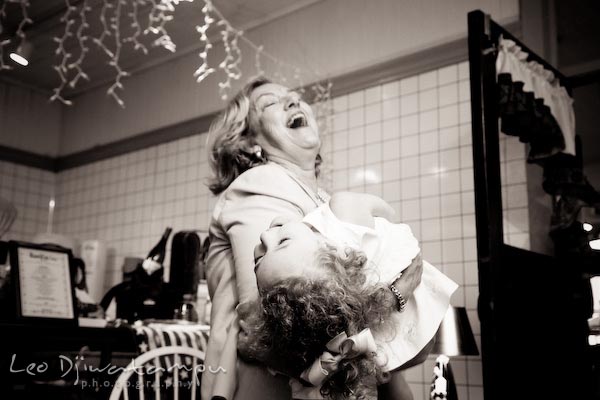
x: 264, y: 156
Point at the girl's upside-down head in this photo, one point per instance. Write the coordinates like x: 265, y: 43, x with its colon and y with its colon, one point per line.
x: 289, y: 327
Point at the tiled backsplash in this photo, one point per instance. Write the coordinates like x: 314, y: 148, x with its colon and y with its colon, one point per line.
x: 29, y: 190
x: 408, y: 141
x: 127, y: 201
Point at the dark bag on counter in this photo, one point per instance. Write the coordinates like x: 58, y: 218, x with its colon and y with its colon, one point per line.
x: 186, y: 249
x: 142, y: 297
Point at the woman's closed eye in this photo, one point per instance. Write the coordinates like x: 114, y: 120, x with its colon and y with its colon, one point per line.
x: 268, y: 102
x: 281, y: 241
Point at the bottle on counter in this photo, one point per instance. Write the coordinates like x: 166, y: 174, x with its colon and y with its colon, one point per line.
x: 145, y: 295
x: 187, y: 309
x: 203, y: 302
x: 156, y: 256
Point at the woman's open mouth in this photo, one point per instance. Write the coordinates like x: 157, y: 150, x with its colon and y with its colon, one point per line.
x: 297, y: 120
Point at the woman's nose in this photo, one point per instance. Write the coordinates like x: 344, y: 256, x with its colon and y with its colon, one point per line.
x: 292, y: 101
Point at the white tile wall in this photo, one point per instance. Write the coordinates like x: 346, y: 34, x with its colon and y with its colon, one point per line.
x: 128, y: 201
x: 408, y: 141
x: 30, y: 191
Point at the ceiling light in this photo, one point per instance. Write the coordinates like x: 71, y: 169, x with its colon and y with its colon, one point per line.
x: 587, y: 227
x: 22, y: 54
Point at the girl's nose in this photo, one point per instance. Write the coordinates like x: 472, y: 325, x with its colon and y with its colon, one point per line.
x: 267, y: 238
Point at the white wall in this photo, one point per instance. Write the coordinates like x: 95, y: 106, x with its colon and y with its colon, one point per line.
x: 331, y: 37
x: 28, y: 121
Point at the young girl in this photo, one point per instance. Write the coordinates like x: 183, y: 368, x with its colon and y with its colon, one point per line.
x: 329, y: 312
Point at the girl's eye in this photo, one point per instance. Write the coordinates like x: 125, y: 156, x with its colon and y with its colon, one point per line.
x: 283, y: 240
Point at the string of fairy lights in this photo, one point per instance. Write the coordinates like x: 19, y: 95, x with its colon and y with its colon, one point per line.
x: 147, y: 27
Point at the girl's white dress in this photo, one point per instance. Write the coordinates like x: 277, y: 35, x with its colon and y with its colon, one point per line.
x: 390, y: 248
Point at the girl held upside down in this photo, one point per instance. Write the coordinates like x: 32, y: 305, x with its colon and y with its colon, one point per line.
x: 329, y: 314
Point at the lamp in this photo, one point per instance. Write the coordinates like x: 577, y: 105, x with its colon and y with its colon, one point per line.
x: 22, y: 53
x: 453, y: 338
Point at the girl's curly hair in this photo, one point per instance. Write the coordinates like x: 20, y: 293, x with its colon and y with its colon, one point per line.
x: 289, y: 327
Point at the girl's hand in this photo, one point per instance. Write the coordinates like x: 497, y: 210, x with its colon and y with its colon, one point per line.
x: 411, y: 277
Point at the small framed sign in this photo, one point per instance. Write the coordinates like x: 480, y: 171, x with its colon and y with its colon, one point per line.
x: 43, y: 283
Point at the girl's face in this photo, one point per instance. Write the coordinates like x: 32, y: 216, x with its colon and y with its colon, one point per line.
x: 284, y: 124
x: 287, y: 250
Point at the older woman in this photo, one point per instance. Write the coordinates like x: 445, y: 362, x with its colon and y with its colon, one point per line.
x: 264, y: 154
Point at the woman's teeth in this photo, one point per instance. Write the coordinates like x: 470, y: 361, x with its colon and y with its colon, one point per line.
x: 297, y: 121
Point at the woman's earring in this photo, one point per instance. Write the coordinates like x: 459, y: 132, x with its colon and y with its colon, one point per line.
x: 257, y: 150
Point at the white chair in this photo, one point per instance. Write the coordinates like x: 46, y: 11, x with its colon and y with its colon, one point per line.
x: 169, y: 372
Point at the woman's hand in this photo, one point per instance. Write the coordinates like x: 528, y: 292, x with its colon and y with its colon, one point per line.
x: 411, y: 277
x: 245, y: 344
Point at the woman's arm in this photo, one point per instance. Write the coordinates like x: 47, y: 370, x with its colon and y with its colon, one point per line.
x: 252, y: 201
x: 244, y: 219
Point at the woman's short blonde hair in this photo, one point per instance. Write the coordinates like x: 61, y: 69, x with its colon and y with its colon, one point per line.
x: 230, y: 139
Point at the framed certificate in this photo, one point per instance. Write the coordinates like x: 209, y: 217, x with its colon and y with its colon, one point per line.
x: 41, y: 276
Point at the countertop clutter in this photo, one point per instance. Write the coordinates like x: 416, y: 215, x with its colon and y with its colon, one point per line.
x: 52, y: 356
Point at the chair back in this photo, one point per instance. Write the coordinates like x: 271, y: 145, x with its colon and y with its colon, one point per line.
x: 169, y: 372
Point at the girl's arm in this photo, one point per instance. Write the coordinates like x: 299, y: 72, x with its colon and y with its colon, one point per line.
x: 359, y: 208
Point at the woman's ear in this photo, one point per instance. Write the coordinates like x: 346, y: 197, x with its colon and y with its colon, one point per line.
x: 254, y: 151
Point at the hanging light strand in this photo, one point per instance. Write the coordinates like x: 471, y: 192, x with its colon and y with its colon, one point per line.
x: 204, y: 69
x: 62, y: 67
x: 233, y: 56
x: 99, y: 41
x: 5, y: 42
x: 24, y: 21
x: 157, y: 18
x: 137, y: 28
x: 116, y: 55
x: 323, y: 106
x: 257, y: 63
x: 83, y: 49
x: 159, y: 14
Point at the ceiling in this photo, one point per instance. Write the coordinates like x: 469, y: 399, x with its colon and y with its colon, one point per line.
x: 47, y: 24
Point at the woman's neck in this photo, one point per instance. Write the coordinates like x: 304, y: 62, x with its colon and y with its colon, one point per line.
x: 305, y: 173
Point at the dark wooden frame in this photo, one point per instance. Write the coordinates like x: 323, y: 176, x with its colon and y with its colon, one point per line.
x: 14, y: 247
x: 533, y: 323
